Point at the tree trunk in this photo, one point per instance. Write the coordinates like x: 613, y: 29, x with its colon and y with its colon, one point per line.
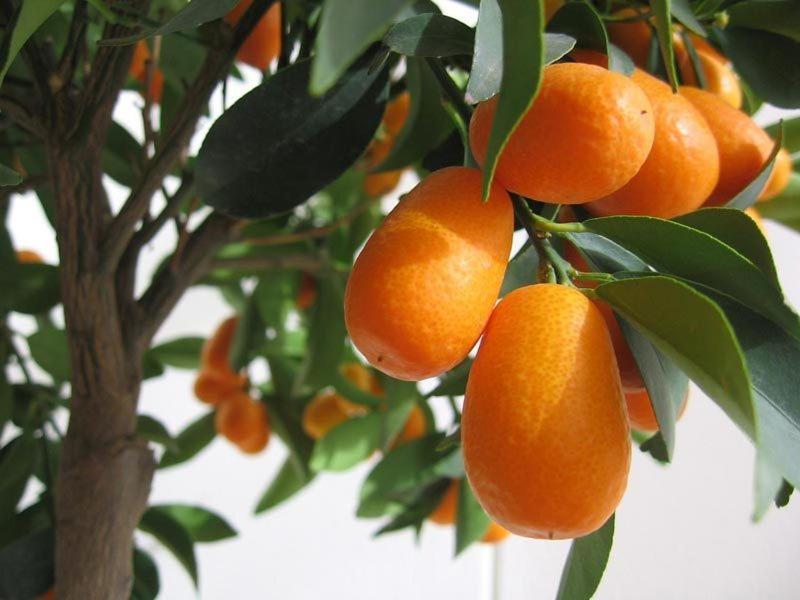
x: 105, y: 472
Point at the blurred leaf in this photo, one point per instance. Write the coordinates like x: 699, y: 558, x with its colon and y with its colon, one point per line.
x: 692, y: 331
x: 430, y: 35
x: 151, y: 366
x: 682, y: 11
x: 17, y: 462
x: 472, y: 522
x: 685, y: 252
x: 191, y: 441
x: 766, y: 61
x: 521, y: 270
x: 662, y: 10
x: 122, y: 156
x: 26, y: 19
x: 784, y: 208
x: 33, y: 518
x: 326, y: 334
x: 9, y: 176
x: 347, y: 444
x: 6, y: 398
x: 428, y: 123
x: 203, y: 525
x: 777, y: 16
x: 173, y: 536
x: 363, y: 20
x: 250, y: 334
x: 286, y: 484
x: 27, y: 565
x: 656, y: 446
x: 416, y: 511
x: 749, y: 195
x: 30, y: 288
x: 454, y: 382
x: 586, y: 563
x: 154, y: 430
x: 285, y: 422
x: 791, y: 133
x: 582, y: 21
x: 450, y: 153
x: 49, y: 349
x: 146, y: 583
x: 181, y: 353
x: 768, y: 484
x: 251, y: 167
x: 523, y: 64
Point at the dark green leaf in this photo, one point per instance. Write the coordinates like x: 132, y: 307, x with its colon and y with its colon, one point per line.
x: 472, y: 523
x: 785, y: 493
x: 203, y: 525
x: 151, y: 366
x: 662, y: 11
x: 122, y: 156
x: 766, y: 61
x: 181, y: 353
x: 25, y: 21
x: 363, y: 20
x: 784, y: 208
x: 146, y: 583
x: 173, y: 536
x: 191, y: 441
x: 522, y: 270
x: 17, y: 463
x: 454, y: 382
x: 656, y: 447
x: 416, y: 511
x: 9, y: 176
x: 523, y: 63
x: 586, y: 563
x: 430, y: 35
x: 252, y: 167
x: 49, y: 349
x: 29, y: 288
x: 154, y: 430
x: 27, y: 565
x: 326, y: 334
x: 777, y: 16
x: 428, y: 123
x: 692, y: 331
x: 698, y: 257
x: 749, y: 195
x: 791, y: 133
x: 286, y: 484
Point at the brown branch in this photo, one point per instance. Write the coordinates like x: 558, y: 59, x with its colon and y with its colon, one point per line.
x: 75, y: 44
x: 195, y: 99
x: 18, y: 112
x: 317, y: 232
x: 23, y: 186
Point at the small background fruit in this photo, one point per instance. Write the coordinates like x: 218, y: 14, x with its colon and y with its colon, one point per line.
x: 263, y: 45
x: 241, y: 419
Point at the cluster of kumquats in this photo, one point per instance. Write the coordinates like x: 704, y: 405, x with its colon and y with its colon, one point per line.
x: 425, y: 286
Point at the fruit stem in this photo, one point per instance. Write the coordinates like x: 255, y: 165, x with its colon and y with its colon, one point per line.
x: 552, y: 268
x: 594, y: 276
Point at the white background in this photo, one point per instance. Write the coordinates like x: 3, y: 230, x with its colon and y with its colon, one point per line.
x: 683, y: 531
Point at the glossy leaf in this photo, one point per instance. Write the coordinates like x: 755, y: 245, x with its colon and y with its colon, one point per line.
x: 286, y: 484
x: 784, y: 208
x: 682, y: 11
x: 471, y: 521
x: 173, y: 536
x: 50, y: 350
x: 364, y: 21
x: 662, y: 9
x: 523, y: 64
x: 25, y: 21
x: 586, y: 563
x: 430, y: 35
x: 9, y: 176
x: 191, y: 441
x: 692, y: 331
x: 27, y: 565
x: 522, y: 270
x: 202, y: 524
x: 146, y: 582
x: 252, y: 167
x: 749, y: 195
x: 154, y: 430
x: 777, y: 16
x: 698, y: 257
x: 181, y: 353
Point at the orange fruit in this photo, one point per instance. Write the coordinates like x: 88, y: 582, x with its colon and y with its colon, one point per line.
x: 628, y: 369
x: 396, y: 114
x: 263, y: 45
x: 240, y: 418
x: 721, y: 79
x: 362, y: 378
x: 423, y: 287
x: 306, y: 293
x: 257, y: 442
x: 216, y: 349
x: 640, y: 410
x: 322, y: 414
x: 495, y: 534
x: 414, y: 428
x: 382, y: 182
x: 683, y: 165
x: 213, y: 387
x: 28, y: 257
x: 634, y: 37
x: 551, y: 7
x: 743, y: 146
x: 138, y: 70
x: 544, y: 432
x: 780, y: 176
x: 586, y: 135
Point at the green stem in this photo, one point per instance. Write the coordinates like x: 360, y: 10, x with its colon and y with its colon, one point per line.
x: 564, y: 271
x: 593, y: 276
x: 456, y: 106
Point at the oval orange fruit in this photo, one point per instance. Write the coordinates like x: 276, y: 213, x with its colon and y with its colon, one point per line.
x: 263, y: 45
x: 544, y: 431
x: 241, y: 419
x: 423, y: 287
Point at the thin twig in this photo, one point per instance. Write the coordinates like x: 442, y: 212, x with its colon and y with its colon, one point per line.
x: 19, y: 113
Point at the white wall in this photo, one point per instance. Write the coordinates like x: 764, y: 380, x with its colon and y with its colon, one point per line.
x: 683, y: 531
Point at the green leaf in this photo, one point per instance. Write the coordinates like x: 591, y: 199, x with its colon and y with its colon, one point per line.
x: 326, y: 334
x: 173, y: 536
x: 522, y: 270
x: 487, y: 63
x: 28, y: 17
x: 656, y: 447
x: 252, y: 167
x: 696, y: 256
x: 249, y: 335
x: 523, y: 64
x: 430, y: 35
x: 766, y: 61
x: 347, y: 444
x: 662, y: 11
x: 203, y: 525
x: 582, y: 21
x: 9, y: 176
x: 27, y: 565
x: 768, y: 484
x: 777, y: 16
x: 146, y: 583
x: 785, y: 207
x: 682, y: 11
x: 29, y: 288
x: 417, y: 510
x: 472, y: 522
x: 17, y: 462
x: 154, y: 430
x: 692, y: 331
x: 428, y: 123
x: 122, y: 156
x: 586, y: 563
x: 181, y: 353
x: 738, y: 231
x: 191, y: 441
x: 190, y: 16
x: 791, y: 133
x: 749, y: 195
x: 785, y: 493
x: 363, y: 20
x: 50, y: 350
x: 454, y: 382
x: 286, y: 484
